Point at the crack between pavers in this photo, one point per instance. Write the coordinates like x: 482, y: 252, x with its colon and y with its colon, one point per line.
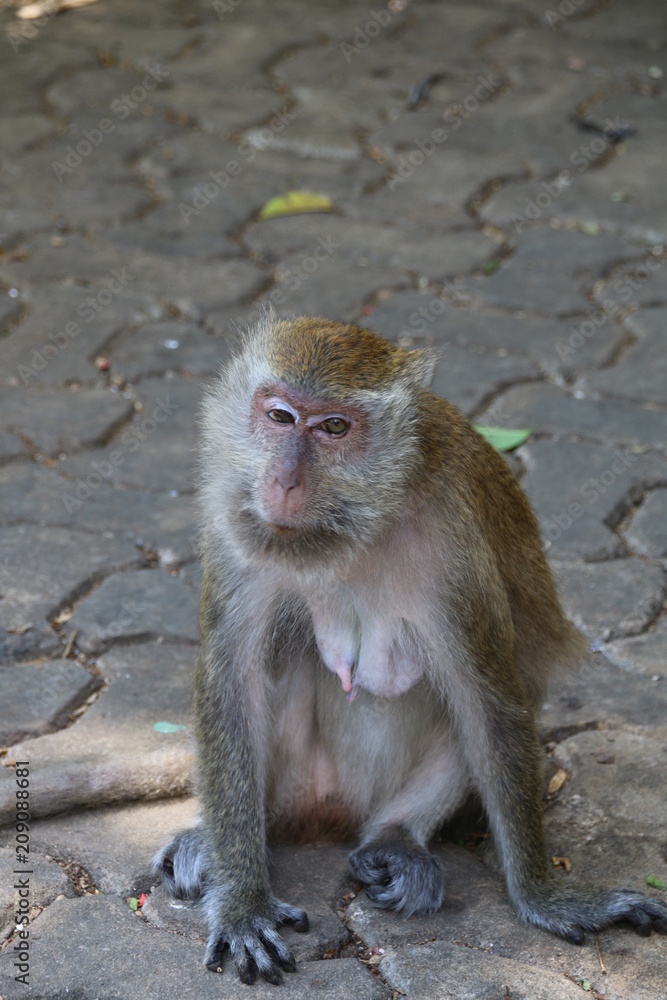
x: 499, y: 388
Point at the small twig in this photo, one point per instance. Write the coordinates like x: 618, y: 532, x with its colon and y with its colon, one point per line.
x: 70, y: 643
x: 508, y: 995
x: 602, y: 965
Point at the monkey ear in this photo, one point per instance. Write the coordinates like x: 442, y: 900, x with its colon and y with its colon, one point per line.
x: 420, y: 366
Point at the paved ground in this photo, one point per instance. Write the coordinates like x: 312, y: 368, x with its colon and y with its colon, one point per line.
x: 497, y: 171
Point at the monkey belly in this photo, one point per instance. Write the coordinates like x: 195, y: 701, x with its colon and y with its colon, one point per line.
x: 335, y: 765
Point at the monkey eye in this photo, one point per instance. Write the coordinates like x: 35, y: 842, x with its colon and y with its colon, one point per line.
x: 334, y: 425
x: 280, y: 416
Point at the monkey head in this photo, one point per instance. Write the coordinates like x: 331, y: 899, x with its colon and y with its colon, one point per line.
x: 309, y: 423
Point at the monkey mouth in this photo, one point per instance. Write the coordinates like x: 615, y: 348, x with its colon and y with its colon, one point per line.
x: 284, y: 530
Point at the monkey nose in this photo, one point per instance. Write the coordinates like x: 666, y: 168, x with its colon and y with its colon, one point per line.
x: 288, y: 479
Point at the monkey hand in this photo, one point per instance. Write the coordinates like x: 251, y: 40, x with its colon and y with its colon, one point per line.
x: 569, y: 912
x: 255, y: 945
x: 399, y: 873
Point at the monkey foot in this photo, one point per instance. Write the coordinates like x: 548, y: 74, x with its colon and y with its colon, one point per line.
x: 400, y: 875
x: 570, y: 914
x: 183, y: 863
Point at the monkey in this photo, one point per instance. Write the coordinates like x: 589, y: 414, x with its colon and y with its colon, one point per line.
x: 378, y: 624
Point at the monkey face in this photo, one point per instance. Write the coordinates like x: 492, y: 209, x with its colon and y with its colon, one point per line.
x: 305, y: 440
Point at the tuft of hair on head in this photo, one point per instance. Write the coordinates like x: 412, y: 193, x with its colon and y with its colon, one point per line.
x: 328, y: 358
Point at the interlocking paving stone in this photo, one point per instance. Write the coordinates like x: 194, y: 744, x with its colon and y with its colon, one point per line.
x: 53, y: 421
x: 47, y: 880
x: 156, y: 522
x: 157, y: 448
x: 169, y: 967
x: 641, y: 374
x: 608, y: 600
x: 113, y: 753
x: 554, y: 275
x: 642, y: 654
x: 43, y: 568
x: 552, y: 410
x: 35, y: 696
x: 647, y: 532
x: 134, y: 605
x: 579, y: 489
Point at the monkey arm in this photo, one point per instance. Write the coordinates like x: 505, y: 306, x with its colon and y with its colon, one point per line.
x: 231, y: 731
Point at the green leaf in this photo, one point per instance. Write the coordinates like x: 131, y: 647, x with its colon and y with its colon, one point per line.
x: 654, y: 882
x: 491, y: 265
x: 503, y: 438
x: 293, y: 202
x: 169, y: 727
x: 134, y: 904
x: 585, y: 985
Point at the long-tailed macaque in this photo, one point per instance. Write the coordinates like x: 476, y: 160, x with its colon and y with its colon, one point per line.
x: 378, y: 623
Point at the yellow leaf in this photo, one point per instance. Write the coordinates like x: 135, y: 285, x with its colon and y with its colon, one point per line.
x: 293, y: 202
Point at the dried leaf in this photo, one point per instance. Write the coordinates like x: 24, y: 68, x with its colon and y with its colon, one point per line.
x: 293, y: 202
x: 557, y: 781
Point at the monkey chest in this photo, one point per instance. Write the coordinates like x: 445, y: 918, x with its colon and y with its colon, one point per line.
x: 367, y: 647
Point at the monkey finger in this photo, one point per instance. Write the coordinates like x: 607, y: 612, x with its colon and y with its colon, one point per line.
x: 278, y: 950
x: 286, y: 914
x: 261, y: 958
x: 213, y: 957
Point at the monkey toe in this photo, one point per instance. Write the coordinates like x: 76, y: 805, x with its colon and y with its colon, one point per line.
x: 297, y: 918
x: 573, y: 934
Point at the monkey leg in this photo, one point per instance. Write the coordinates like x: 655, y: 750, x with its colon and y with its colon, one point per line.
x: 393, y: 861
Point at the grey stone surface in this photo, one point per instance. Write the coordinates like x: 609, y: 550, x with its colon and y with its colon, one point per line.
x: 52, y: 422
x: 114, y: 845
x: 551, y: 410
x: 426, y: 970
x: 157, y: 448
x: 554, y: 277
x: 608, y: 600
x: 642, y: 372
x: 37, y: 696
x: 43, y: 569
x: 158, y: 523
x: 11, y: 446
x: 647, y: 532
x: 599, y: 693
x: 113, y: 753
x: 642, y: 654
x: 64, y: 328
x: 168, y: 346
x: 410, y: 315
x: 363, y: 245
x: 581, y: 491
x: 133, y: 606
x: 72, y: 930
x: 47, y: 880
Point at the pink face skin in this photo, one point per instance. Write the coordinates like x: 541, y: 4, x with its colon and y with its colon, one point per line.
x: 295, y: 425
